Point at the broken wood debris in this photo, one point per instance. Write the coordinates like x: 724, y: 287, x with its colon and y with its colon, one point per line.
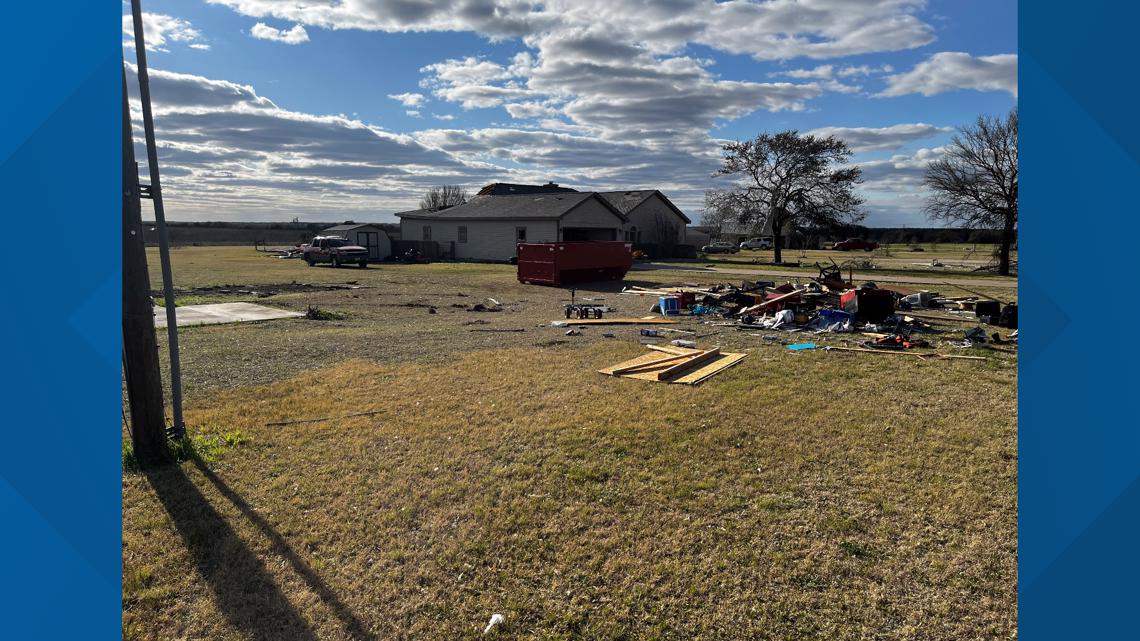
x: 685, y: 366
x: 919, y: 355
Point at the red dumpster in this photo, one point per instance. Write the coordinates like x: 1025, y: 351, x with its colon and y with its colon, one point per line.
x: 573, y: 262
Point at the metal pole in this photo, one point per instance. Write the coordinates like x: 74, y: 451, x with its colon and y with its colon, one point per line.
x: 160, y: 222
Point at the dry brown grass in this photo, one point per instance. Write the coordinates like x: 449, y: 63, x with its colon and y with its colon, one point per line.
x: 796, y: 496
x: 583, y: 506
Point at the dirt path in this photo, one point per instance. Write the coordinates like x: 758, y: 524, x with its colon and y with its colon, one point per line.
x: 1007, y: 283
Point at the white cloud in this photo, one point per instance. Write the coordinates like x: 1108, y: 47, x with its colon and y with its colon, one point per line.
x: 604, y: 93
x: 619, y: 68
x: 530, y: 110
x: 160, y: 29
x: 225, y: 148
x: 775, y: 30
x: 472, y: 82
x: 294, y: 36
x: 952, y: 70
x: 893, y: 187
x: 408, y: 99
x: 862, y: 139
x: 414, y: 113
x: 863, y: 70
x: 468, y: 71
x: 821, y: 72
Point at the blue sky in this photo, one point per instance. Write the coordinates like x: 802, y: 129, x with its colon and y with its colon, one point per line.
x: 270, y: 110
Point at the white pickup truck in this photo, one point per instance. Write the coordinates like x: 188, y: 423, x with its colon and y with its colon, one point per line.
x: 757, y: 243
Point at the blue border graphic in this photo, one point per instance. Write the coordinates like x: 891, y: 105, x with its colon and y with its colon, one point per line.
x: 1079, y: 459
x: 60, y: 470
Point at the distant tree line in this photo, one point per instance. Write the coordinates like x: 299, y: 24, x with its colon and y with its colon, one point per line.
x: 916, y: 236
x: 246, y: 233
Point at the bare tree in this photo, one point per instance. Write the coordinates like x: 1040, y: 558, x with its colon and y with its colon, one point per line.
x: 718, y: 213
x: 791, y: 179
x: 976, y: 182
x: 443, y: 196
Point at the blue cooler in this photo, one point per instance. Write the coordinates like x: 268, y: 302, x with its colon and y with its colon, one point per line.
x: 670, y: 305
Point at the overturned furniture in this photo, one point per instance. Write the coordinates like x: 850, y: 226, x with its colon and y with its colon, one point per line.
x: 573, y: 262
x: 669, y: 364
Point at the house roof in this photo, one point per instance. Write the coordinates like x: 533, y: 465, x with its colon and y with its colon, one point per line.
x: 627, y: 201
x: 349, y: 227
x: 512, y: 189
x: 521, y: 207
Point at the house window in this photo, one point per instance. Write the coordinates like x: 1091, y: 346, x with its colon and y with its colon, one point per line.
x: 427, y: 232
x: 634, y: 235
x: 520, y: 234
x: 463, y: 233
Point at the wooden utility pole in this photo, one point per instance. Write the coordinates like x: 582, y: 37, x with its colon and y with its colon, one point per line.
x: 140, y: 347
x: 154, y: 193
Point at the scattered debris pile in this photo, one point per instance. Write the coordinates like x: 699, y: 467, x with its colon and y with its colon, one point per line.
x: 828, y: 304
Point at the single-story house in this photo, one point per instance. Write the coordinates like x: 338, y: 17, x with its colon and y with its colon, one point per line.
x: 652, y: 218
x: 488, y: 227
x: 370, y: 237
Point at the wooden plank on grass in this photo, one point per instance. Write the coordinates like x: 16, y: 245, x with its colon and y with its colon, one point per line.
x: 635, y: 368
x: 692, y: 361
x: 652, y: 363
x: 672, y: 349
x: 697, y: 376
x: 921, y: 355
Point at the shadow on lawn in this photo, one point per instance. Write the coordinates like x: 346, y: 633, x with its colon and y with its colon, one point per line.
x: 246, y: 593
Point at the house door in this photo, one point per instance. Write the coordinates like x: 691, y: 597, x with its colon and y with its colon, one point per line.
x: 369, y: 240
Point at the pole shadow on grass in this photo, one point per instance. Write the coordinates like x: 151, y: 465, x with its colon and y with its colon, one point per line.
x: 246, y: 593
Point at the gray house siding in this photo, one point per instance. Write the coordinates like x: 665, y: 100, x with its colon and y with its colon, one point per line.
x: 486, y: 239
x: 653, y: 221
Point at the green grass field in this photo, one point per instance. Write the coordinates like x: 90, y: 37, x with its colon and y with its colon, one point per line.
x: 801, y: 495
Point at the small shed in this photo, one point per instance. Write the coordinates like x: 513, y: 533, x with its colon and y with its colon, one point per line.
x: 370, y: 237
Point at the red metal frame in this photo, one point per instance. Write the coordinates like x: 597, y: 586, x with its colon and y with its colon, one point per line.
x: 573, y: 262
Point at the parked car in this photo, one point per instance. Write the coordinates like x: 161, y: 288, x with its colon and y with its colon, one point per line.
x: 855, y: 243
x: 757, y: 243
x: 720, y: 248
x: 335, y: 250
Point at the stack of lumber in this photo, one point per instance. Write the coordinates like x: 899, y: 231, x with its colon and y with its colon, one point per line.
x: 669, y: 364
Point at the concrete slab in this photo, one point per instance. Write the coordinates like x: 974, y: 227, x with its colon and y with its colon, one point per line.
x: 221, y: 313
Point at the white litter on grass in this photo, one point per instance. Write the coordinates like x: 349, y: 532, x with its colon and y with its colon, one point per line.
x: 496, y: 619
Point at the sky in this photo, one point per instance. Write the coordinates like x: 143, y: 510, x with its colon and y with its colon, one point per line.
x: 333, y: 110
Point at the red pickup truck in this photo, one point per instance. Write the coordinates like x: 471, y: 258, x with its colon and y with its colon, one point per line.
x: 855, y: 243
x: 335, y: 250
